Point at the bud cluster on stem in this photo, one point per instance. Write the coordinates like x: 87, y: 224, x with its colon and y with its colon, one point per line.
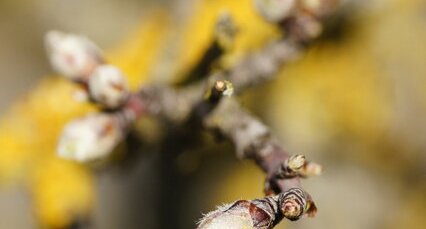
x: 96, y: 135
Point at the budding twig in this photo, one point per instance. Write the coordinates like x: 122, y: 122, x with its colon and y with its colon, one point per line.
x: 262, y: 213
x: 96, y: 135
x: 254, y: 140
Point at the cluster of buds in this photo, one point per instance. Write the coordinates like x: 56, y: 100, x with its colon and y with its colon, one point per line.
x: 81, y: 61
x: 95, y: 136
x: 260, y: 213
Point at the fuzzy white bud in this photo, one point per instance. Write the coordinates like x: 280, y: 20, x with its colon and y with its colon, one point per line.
x: 108, y: 86
x: 90, y: 138
x: 275, y: 10
x: 260, y: 213
x: 73, y: 56
x: 228, y: 221
x: 221, y: 218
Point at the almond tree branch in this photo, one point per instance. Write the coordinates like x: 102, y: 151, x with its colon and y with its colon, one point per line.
x: 202, y: 102
x: 254, y: 140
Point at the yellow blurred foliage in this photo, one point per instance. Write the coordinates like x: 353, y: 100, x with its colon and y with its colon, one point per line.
x: 28, y: 135
x: 63, y: 192
x: 137, y: 55
x: 197, y: 35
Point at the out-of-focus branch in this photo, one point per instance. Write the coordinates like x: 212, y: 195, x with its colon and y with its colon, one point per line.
x: 262, y: 66
x: 301, y: 24
x: 223, y: 40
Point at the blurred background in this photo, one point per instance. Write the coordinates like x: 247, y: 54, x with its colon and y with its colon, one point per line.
x: 355, y: 103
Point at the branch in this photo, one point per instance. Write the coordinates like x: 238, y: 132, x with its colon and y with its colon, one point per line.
x: 223, y: 40
x: 259, y: 213
x: 254, y: 140
x: 95, y: 136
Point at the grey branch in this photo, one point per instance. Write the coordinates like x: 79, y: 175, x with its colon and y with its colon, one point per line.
x: 208, y: 103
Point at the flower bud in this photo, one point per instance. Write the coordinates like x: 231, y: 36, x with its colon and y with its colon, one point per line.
x: 90, y: 138
x: 73, y: 56
x: 240, y: 214
x: 275, y: 10
x: 228, y: 221
x: 108, y: 86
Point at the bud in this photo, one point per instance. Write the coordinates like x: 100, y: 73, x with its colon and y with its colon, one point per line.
x: 219, y: 219
x: 256, y: 214
x: 296, y: 162
x: 224, y: 87
x: 73, y: 56
x: 108, y: 86
x: 262, y: 213
x: 291, y: 167
x: 90, y: 138
x: 293, y: 203
x: 275, y: 10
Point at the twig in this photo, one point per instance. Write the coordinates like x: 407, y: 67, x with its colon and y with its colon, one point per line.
x: 203, y: 103
x: 262, y: 213
x: 254, y: 140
